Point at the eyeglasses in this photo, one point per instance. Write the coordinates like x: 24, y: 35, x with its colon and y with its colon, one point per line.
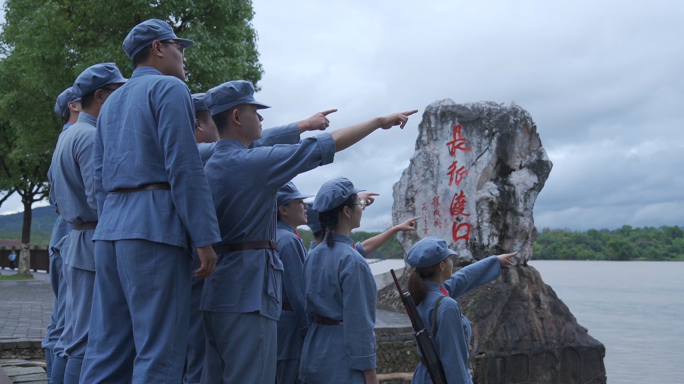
x: 178, y: 45
x: 363, y: 204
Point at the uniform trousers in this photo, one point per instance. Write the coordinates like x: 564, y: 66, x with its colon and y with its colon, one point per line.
x: 54, y: 330
x: 58, y: 369
x: 194, y: 360
x: 241, y: 348
x: 80, y: 283
x: 140, y: 318
x: 288, y: 371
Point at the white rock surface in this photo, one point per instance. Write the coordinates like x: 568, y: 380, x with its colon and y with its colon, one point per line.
x: 474, y: 178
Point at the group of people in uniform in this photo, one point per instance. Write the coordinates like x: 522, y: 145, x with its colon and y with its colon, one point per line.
x: 175, y: 256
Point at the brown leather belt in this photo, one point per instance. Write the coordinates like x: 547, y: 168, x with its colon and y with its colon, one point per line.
x: 84, y: 226
x: 287, y: 307
x: 326, y: 321
x: 146, y: 187
x: 247, y: 245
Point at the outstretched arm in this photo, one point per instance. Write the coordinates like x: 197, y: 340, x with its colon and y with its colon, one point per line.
x: 374, y: 243
x: 346, y: 137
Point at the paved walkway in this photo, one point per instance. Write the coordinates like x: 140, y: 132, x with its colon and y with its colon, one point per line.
x: 25, y: 308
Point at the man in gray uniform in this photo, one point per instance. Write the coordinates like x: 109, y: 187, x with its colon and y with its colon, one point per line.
x: 154, y: 207
x: 72, y: 182
x: 67, y: 107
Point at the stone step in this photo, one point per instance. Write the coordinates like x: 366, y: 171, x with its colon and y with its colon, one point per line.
x: 395, y: 378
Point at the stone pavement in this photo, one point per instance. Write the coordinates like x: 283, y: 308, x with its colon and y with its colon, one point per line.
x: 25, y: 308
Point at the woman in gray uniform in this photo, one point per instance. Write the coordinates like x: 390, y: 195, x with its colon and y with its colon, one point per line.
x: 434, y: 288
x: 340, y: 296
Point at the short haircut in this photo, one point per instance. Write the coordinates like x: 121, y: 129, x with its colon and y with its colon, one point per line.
x: 203, y: 116
x: 87, y: 100
x: 222, y: 120
x: 66, y: 115
x: 141, y: 56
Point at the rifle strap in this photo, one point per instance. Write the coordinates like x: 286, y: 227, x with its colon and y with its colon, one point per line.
x: 434, y: 317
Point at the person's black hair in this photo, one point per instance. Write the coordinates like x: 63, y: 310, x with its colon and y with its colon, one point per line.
x: 141, y: 57
x: 87, y: 100
x: 416, y: 286
x: 329, y: 219
x: 221, y: 120
x: 203, y: 116
x: 317, y: 233
x: 66, y: 115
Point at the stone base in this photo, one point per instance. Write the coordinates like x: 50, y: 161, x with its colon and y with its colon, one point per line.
x: 395, y: 350
x: 21, y: 349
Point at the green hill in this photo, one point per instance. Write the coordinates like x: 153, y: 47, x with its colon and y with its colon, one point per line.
x: 41, y: 225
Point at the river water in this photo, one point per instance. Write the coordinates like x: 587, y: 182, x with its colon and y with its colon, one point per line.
x: 636, y: 309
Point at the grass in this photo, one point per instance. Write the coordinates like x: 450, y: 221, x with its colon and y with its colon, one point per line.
x: 14, y: 277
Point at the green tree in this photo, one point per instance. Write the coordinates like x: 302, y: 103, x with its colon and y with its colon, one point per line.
x: 45, y: 44
x: 619, y: 248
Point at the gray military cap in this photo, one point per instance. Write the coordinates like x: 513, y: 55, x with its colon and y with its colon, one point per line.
x: 231, y: 94
x: 148, y: 31
x: 96, y: 77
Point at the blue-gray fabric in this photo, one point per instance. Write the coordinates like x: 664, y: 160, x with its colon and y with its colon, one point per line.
x: 333, y: 193
x: 72, y: 371
x: 59, y: 231
x: 145, y: 134
x: 338, y: 285
x: 111, y: 350
x: 453, y: 334
x: 312, y: 220
x: 243, y: 359
x: 358, y: 247
x: 48, y: 362
x: 292, y: 326
x: 148, y: 31
x: 286, y: 134
x: 289, y: 192
x: 428, y: 251
x: 287, y: 371
x: 96, y: 77
x: 65, y: 336
x: 154, y: 279
x: 198, y: 102
x: 63, y: 100
x: 195, y: 352
x: 58, y: 367
x: 244, y: 183
x: 71, y: 177
x: 231, y: 94
x: 80, y: 284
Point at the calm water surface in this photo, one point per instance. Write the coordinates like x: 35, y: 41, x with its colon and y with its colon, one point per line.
x: 636, y: 309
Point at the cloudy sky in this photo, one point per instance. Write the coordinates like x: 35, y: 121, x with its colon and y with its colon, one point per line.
x: 603, y: 80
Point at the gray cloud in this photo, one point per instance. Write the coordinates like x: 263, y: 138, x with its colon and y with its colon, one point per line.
x: 602, y: 79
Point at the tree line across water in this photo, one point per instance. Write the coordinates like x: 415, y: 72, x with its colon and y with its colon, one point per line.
x: 626, y: 243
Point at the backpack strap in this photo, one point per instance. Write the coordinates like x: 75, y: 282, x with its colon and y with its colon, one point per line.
x: 434, y: 317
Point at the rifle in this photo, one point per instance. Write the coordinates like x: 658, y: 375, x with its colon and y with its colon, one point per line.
x: 423, y: 340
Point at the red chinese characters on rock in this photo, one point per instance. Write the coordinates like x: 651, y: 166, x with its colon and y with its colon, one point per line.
x: 460, y: 229
x: 456, y: 174
x: 425, y: 220
x: 458, y: 142
x: 458, y: 204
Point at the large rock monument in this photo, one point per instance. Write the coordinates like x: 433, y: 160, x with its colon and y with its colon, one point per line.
x: 474, y: 179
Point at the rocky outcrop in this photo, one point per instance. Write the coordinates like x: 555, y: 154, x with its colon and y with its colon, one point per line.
x: 523, y: 333
x: 474, y: 179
